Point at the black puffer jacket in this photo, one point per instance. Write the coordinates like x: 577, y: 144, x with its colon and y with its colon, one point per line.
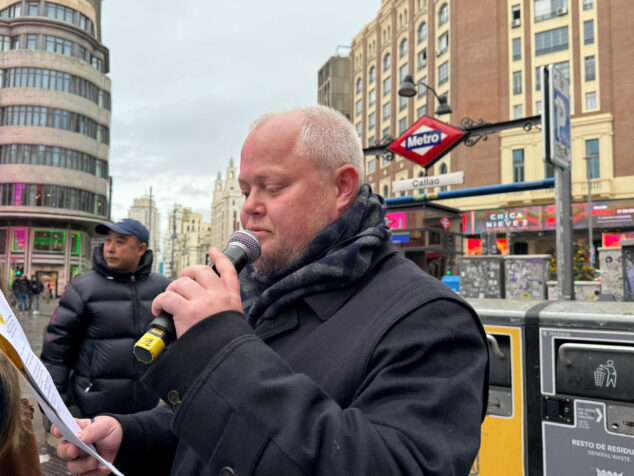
x: 89, y: 340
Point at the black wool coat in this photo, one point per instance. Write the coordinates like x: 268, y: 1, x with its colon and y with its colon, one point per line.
x: 89, y: 340
x: 385, y: 377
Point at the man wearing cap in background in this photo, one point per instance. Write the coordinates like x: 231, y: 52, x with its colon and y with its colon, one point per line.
x: 89, y: 340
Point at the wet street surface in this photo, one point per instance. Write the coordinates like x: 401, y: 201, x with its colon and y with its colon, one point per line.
x: 34, y: 326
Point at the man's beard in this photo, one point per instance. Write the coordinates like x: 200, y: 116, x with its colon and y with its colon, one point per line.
x: 285, y: 255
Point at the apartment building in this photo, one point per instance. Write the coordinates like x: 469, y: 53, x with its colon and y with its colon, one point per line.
x: 485, y: 57
x: 54, y: 136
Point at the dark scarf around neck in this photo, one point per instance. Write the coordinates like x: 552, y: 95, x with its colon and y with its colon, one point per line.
x: 339, y: 256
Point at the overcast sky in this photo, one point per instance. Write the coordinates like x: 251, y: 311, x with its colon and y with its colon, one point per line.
x: 189, y: 77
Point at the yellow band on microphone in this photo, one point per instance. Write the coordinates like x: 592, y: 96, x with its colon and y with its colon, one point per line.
x: 150, y: 345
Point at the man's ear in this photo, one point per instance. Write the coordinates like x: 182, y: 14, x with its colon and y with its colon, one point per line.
x: 142, y: 248
x: 347, y: 182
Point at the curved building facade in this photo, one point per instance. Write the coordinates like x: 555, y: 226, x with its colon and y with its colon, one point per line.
x: 54, y: 137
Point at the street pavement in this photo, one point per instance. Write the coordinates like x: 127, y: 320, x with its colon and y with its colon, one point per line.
x: 34, y: 326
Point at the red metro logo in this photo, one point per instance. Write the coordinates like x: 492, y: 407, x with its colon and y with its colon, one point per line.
x: 427, y: 141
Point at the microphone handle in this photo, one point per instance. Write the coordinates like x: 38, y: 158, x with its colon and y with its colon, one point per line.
x: 161, y: 331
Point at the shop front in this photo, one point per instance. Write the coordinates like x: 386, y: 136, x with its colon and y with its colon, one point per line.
x: 428, y: 234
x: 531, y: 229
x: 54, y: 255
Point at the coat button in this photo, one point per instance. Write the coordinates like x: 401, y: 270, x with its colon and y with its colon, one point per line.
x: 173, y: 397
x: 227, y: 471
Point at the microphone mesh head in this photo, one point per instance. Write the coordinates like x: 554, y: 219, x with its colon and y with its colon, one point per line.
x: 247, y: 239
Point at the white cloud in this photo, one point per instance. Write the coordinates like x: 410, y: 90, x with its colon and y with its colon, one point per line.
x: 188, y: 78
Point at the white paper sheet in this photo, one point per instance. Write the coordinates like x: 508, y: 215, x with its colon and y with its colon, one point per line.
x: 15, y: 345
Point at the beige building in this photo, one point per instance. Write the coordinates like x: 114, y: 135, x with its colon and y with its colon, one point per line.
x: 194, y: 240
x: 225, y: 207
x: 54, y: 136
x: 186, y: 242
x: 333, y: 83
x: 485, y: 56
x: 144, y: 210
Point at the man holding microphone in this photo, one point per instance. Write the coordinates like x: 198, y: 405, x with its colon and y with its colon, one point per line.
x: 330, y: 355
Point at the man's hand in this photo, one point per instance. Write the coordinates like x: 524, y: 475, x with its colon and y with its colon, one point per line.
x: 200, y: 293
x: 105, y: 433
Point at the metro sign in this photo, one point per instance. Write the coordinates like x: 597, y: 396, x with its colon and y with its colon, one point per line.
x: 427, y: 141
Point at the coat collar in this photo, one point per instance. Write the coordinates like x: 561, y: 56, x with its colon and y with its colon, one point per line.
x: 324, y: 305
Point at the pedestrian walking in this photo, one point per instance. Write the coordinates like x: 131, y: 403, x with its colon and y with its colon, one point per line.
x: 21, y: 289
x: 35, y: 287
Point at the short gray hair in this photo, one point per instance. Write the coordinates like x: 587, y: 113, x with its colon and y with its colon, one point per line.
x: 327, y: 137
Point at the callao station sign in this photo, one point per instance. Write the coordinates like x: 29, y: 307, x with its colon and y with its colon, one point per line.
x: 427, y: 141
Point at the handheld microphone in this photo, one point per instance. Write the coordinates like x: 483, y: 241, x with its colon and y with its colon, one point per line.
x: 243, y: 248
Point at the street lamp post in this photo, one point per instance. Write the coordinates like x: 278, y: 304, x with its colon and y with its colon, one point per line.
x: 408, y: 89
x: 589, y: 178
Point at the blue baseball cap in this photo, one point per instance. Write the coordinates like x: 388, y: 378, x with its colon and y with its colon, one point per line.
x: 127, y: 226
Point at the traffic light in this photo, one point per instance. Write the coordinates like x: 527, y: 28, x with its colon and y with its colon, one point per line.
x: 19, y: 270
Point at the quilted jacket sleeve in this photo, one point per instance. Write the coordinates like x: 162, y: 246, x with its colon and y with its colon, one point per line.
x: 63, y: 336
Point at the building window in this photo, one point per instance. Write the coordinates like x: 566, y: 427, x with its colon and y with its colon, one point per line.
x: 538, y: 107
x: 545, y: 9
x: 5, y: 43
x: 518, y: 111
x: 591, y: 101
x: 589, y: 65
x: 562, y: 67
x: 42, y: 116
x: 52, y: 196
x: 402, y: 125
x: 386, y: 131
x: 588, y: 32
x: 443, y: 15
x: 422, y: 32
x: 34, y: 154
x: 443, y: 43
x: 518, y: 165
x: 422, y: 88
x: 31, y: 42
x: 421, y: 111
x: 372, y: 75
x: 359, y: 128
x: 402, y: 103
x: 387, y: 62
x: 371, y: 121
x: 551, y: 41
x: 588, y: 4
x: 516, y: 15
x: 54, y: 80
x: 371, y: 165
x: 32, y: 9
x: 443, y: 170
x: 359, y: 85
x: 372, y: 97
x: 592, y: 165
x: 422, y: 59
x: 371, y: 141
x: 443, y: 73
x: 402, y: 72
x: 402, y: 50
x: 517, y: 82
x: 359, y: 107
x: 387, y: 85
x: 386, y: 111
x: 517, y: 49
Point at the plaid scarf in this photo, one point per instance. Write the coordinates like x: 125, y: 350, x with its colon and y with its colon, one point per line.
x: 338, y: 256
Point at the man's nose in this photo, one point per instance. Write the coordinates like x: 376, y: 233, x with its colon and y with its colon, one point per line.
x: 253, y: 204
